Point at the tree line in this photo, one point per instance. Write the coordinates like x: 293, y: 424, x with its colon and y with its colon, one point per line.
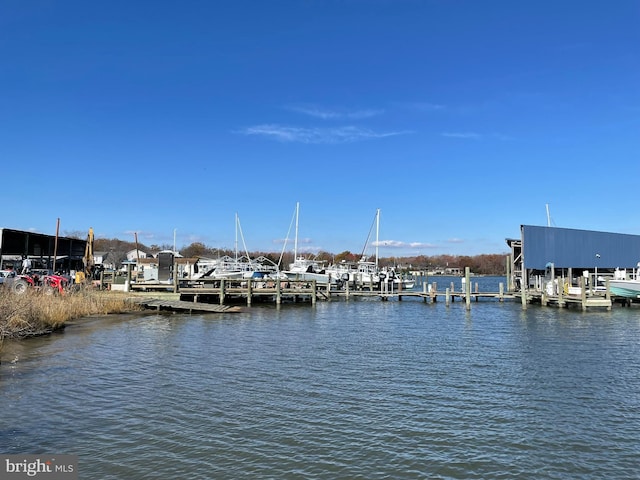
x: 485, y: 264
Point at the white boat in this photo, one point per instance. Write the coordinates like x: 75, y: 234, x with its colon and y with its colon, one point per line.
x: 302, y: 268
x: 620, y: 286
x: 307, y: 269
x: 362, y: 272
x: 397, y: 280
x: 242, y: 267
x: 625, y: 288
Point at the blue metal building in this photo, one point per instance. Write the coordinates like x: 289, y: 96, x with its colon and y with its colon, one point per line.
x: 570, y: 249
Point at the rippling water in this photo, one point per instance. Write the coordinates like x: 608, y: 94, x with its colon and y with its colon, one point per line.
x: 358, y: 389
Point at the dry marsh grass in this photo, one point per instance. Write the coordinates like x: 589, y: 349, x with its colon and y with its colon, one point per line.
x: 34, y: 313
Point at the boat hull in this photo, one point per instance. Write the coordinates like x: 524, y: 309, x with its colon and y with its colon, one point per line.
x: 308, y: 276
x: 625, y: 288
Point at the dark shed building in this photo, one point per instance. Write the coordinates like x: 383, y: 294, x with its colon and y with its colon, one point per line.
x: 40, y: 248
x: 568, y: 248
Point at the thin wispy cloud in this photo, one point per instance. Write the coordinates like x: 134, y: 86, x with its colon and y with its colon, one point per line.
x: 400, y: 244
x: 463, y: 135
x: 335, y: 113
x: 346, y: 134
x: 455, y: 240
x: 421, y: 106
x: 476, y: 136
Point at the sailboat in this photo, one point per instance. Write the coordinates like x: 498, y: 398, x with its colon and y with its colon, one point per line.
x: 302, y: 268
x: 366, y: 272
x: 242, y: 267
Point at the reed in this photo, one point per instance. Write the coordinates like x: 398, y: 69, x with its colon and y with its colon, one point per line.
x: 35, y: 313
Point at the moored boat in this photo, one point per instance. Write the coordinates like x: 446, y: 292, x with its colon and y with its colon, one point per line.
x: 302, y: 268
x: 625, y: 288
x: 621, y: 286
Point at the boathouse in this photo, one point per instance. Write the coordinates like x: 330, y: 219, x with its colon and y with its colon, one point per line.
x: 574, y: 252
x: 41, y: 249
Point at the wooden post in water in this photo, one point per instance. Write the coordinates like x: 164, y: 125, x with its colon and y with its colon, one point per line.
x: 434, y: 292
x: 425, y: 287
x: 314, y: 292
x: 222, y: 291
x: 346, y: 292
x: 501, y: 290
x: 508, y: 270
x: 249, y: 291
x: 278, y: 292
x: 583, y: 293
x: 467, y: 293
x: 560, y: 293
x: 447, y: 296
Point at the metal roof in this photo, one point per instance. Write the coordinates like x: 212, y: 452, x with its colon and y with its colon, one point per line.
x: 570, y: 248
x: 18, y: 242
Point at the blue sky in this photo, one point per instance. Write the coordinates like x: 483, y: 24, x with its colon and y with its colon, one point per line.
x: 459, y: 119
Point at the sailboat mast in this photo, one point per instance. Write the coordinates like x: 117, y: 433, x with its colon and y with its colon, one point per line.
x: 295, y: 242
x: 377, y: 233
x: 236, y: 246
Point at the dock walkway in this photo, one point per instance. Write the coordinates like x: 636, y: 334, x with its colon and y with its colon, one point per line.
x: 224, y: 295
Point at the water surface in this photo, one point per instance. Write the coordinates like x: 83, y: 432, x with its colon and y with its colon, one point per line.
x: 358, y: 389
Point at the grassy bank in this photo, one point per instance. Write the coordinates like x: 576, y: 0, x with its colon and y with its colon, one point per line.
x: 34, y: 313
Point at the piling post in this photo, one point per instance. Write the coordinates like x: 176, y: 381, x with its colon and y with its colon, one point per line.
x: 424, y: 291
x: 222, y: 285
x: 346, y: 292
x: 467, y: 293
x: 278, y: 292
x: 560, y: 293
x: 583, y: 293
x: 447, y: 296
x: 501, y: 294
x: 523, y: 296
x: 434, y: 292
x: 314, y: 287
x: 249, y: 291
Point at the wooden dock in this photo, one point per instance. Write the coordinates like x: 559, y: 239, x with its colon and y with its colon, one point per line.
x: 184, y: 306
x: 225, y: 295
x: 217, y: 295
